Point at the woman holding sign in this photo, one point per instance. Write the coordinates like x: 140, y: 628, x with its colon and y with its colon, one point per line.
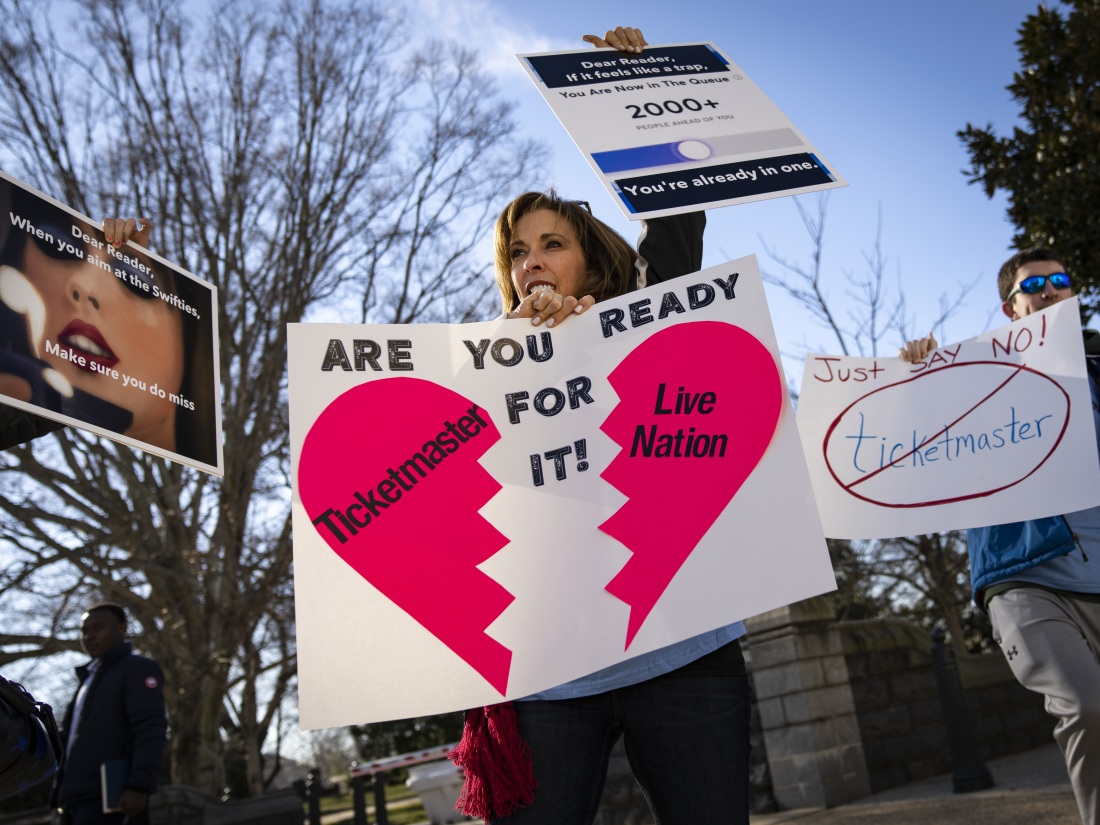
x: 683, y: 710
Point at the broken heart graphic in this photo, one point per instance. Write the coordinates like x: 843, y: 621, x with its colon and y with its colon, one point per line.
x: 698, y: 406
x: 389, y: 476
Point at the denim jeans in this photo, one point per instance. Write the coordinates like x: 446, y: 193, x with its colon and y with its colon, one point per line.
x: 686, y: 735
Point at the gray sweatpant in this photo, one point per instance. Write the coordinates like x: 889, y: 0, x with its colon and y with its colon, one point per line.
x: 1051, y: 642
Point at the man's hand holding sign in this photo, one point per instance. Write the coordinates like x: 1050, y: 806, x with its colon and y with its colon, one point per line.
x: 970, y: 434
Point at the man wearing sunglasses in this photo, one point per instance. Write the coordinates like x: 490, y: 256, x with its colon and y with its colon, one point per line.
x: 1033, y: 285
x: 1040, y: 580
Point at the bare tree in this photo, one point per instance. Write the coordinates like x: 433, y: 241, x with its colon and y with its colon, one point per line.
x: 332, y: 750
x: 872, y: 311
x: 303, y: 160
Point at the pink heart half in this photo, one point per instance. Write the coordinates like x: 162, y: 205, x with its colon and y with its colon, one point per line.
x: 389, y: 476
x: 698, y: 405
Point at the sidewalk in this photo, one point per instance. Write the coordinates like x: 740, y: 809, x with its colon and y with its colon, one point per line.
x: 1030, y: 787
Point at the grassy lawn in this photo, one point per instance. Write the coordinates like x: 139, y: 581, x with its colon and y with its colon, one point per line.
x: 399, y: 815
x: 394, y: 793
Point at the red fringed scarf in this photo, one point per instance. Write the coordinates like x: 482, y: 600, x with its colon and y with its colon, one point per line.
x: 500, y: 777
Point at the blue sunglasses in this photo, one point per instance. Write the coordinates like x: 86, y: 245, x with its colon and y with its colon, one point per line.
x: 1035, y: 283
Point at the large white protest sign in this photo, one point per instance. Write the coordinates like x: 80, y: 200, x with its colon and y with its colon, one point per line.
x: 677, y: 128
x: 483, y: 511
x: 996, y: 429
x: 116, y: 341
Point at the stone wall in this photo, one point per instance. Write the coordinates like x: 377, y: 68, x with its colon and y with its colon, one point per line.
x: 180, y: 805
x: 852, y: 708
x: 807, y: 707
x: 901, y: 721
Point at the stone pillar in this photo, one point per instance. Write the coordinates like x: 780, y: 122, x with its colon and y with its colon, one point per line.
x: 806, y: 705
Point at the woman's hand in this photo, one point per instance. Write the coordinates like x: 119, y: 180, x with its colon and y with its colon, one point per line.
x: 120, y: 230
x: 547, y: 305
x: 623, y: 39
x: 918, y: 350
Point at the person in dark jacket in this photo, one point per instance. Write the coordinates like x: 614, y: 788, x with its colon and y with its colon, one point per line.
x: 117, y: 713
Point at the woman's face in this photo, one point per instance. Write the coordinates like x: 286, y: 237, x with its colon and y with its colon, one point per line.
x: 546, y: 252
x: 103, y: 332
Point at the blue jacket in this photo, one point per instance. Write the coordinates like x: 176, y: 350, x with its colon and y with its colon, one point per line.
x: 1002, y: 550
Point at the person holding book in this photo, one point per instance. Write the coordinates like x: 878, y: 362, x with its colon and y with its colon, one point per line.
x: 114, y: 728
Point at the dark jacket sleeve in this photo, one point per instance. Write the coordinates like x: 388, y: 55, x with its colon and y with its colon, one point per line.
x: 672, y: 246
x: 148, y: 721
x: 17, y: 426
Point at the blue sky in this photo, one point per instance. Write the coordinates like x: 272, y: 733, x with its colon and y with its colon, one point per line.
x: 879, y: 88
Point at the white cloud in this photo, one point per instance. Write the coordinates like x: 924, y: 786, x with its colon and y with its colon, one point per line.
x: 492, y: 29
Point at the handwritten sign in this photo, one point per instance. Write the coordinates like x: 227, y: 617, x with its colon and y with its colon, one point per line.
x: 484, y: 511
x: 677, y: 128
x: 116, y: 341
x: 995, y: 429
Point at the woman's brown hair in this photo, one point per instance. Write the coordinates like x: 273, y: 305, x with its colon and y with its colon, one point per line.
x: 609, y: 258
